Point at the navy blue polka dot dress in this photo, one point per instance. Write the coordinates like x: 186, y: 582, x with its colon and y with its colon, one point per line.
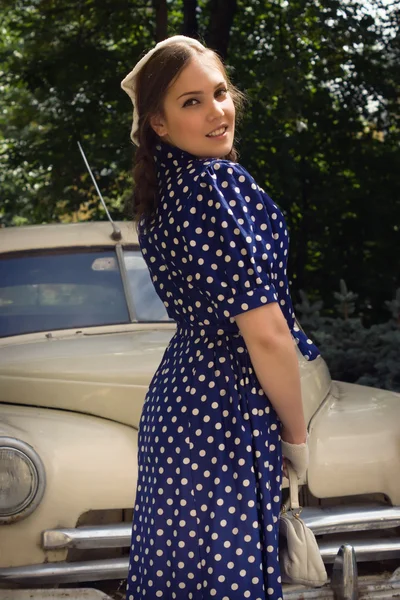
x: 208, y: 496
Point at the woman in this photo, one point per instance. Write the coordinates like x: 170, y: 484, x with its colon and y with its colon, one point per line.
x: 208, y: 497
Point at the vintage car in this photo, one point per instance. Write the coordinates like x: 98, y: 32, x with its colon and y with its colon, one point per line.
x: 82, y: 331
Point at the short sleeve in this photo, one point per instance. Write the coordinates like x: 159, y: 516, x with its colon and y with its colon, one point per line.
x: 230, y: 239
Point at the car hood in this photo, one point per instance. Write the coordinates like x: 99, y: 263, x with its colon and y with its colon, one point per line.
x: 106, y: 375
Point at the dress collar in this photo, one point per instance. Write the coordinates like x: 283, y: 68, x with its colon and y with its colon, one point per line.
x: 164, y: 152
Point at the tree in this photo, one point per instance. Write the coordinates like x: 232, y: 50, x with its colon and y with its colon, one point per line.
x: 320, y: 134
x: 313, y: 72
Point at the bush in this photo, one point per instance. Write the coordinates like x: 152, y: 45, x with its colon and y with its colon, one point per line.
x: 352, y: 352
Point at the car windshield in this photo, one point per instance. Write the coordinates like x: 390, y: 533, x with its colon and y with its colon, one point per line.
x: 147, y: 304
x: 47, y: 291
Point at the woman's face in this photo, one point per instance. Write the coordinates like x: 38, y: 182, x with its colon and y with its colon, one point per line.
x: 196, y: 105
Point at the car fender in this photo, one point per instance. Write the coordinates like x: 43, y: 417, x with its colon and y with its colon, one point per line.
x: 90, y: 464
x: 355, y: 442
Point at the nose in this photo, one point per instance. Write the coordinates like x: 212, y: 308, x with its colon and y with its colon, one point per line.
x: 216, y: 110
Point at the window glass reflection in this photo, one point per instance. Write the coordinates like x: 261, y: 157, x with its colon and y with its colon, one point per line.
x: 148, y: 305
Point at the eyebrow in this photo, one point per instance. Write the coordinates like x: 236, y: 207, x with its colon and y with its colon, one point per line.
x: 200, y: 91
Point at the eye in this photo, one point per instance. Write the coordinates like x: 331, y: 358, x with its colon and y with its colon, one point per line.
x: 194, y: 101
x: 187, y: 103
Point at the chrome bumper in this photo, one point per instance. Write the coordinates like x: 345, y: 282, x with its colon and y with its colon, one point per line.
x: 345, y: 585
x: 343, y: 524
x: 85, y: 538
x: 340, y: 519
x: 321, y: 521
x: 67, y: 572
x: 117, y: 568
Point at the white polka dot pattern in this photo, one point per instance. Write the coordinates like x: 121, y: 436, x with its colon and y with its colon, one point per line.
x: 208, y: 496
x: 231, y: 230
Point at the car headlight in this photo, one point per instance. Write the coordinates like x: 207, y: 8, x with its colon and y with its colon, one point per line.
x: 22, y: 480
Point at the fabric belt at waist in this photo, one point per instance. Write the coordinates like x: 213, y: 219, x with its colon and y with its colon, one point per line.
x: 190, y: 329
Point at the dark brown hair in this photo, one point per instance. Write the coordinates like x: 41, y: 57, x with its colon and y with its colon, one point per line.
x: 152, y: 83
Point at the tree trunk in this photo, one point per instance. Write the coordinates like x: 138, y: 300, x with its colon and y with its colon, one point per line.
x: 222, y: 15
x: 190, y: 25
x: 161, y: 8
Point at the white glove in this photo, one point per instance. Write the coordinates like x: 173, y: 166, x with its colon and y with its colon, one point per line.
x: 298, y: 455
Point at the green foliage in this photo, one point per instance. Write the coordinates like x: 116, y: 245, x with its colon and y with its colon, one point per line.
x: 322, y: 136
x: 61, y: 68
x: 346, y: 299
x: 353, y: 352
x: 320, y: 133
x: 394, y: 306
x: 307, y: 309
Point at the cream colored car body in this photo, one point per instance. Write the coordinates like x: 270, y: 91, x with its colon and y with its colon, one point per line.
x: 75, y: 396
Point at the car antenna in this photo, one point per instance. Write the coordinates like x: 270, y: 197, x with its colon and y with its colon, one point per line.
x: 116, y: 234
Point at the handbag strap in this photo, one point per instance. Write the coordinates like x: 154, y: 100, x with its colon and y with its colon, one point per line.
x: 293, y: 487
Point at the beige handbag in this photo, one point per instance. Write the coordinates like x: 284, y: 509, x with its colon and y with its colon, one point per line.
x: 299, y: 555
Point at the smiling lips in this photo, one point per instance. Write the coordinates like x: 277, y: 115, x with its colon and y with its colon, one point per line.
x: 217, y: 132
